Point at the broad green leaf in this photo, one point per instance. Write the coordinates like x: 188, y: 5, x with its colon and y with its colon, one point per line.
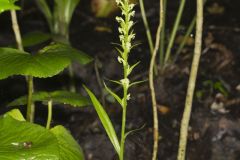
x: 7, y: 5
x: 48, y: 62
x: 69, y: 148
x: 35, y: 38
x: 24, y: 140
x: 65, y: 97
x: 107, y: 124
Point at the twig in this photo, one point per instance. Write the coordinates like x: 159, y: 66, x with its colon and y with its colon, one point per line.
x: 192, y: 82
x: 151, y: 83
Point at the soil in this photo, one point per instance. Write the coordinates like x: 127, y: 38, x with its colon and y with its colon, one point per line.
x: 214, y: 132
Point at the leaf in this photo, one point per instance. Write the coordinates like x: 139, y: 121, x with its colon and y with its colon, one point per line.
x: 64, y: 97
x: 25, y: 140
x: 106, y: 122
x: 43, y: 6
x: 113, y: 94
x: 132, y: 67
x: 16, y: 114
x: 48, y: 62
x: 68, y: 147
x: 35, y: 38
x: 7, y: 5
x: 137, y: 82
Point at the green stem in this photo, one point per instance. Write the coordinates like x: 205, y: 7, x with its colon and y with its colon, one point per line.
x: 174, y: 31
x: 30, y: 106
x: 162, y: 41
x: 148, y: 32
x: 49, y: 119
x: 191, y: 83
x: 122, y: 144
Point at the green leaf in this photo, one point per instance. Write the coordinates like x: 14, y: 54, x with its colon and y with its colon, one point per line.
x: 16, y: 114
x: 113, y: 94
x: 107, y: 124
x: 7, y: 5
x: 68, y: 147
x: 35, y: 38
x: 24, y: 140
x: 48, y: 62
x: 64, y: 97
x: 137, y: 82
x: 43, y: 6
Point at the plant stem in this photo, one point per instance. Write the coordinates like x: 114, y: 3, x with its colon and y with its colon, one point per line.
x: 174, y: 31
x: 162, y: 40
x: 148, y: 32
x: 192, y: 83
x: 16, y: 30
x: 49, y: 119
x: 151, y: 83
x: 30, y: 105
x: 124, y: 114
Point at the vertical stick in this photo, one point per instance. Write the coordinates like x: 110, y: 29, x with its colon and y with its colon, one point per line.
x: 192, y: 82
x: 151, y: 83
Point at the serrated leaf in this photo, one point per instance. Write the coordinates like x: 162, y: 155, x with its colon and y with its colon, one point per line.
x: 113, y: 94
x: 64, y: 97
x: 25, y: 140
x: 7, y: 5
x: 106, y: 122
x: 48, y: 62
x: 34, y: 38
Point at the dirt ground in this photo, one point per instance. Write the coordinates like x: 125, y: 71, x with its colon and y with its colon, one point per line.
x: 214, y: 132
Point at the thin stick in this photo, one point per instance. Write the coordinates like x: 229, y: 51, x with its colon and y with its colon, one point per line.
x: 30, y: 105
x: 49, y: 119
x: 191, y: 84
x: 151, y: 83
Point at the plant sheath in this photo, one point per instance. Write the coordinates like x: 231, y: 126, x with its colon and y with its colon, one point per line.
x: 151, y: 83
x: 192, y: 83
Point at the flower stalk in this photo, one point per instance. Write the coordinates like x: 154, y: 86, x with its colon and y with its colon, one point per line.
x: 126, y: 36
